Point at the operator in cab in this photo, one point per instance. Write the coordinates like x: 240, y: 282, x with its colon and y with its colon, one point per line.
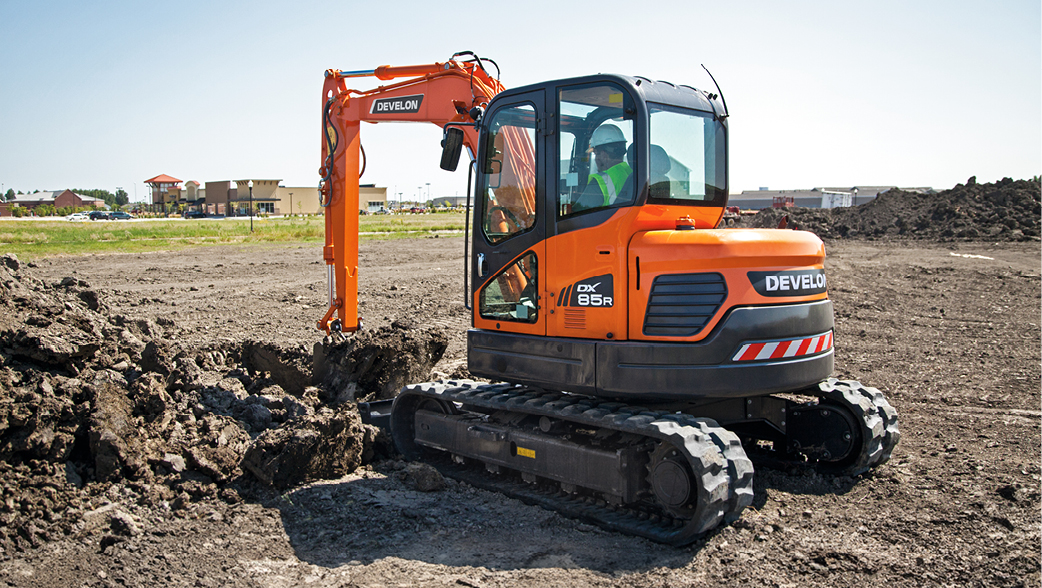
x: 608, y: 185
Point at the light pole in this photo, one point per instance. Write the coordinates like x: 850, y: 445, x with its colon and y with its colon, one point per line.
x: 291, y: 204
x: 118, y: 190
x: 250, y: 184
x: 428, y: 190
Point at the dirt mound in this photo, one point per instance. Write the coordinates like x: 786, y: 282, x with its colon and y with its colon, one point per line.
x: 1006, y: 210
x: 92, y: 403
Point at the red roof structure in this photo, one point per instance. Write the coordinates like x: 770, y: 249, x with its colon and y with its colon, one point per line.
x: 163, y: 179
x: 164, y: 190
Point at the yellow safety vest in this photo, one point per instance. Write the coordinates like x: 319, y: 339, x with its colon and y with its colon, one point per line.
x: 611, y: 180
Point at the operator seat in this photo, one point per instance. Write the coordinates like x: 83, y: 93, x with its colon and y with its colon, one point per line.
x: 659, y: 183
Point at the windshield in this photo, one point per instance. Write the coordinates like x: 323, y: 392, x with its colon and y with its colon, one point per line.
x: 687, y: 157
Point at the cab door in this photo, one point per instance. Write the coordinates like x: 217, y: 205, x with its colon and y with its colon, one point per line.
x: 599, y: 138
x: 509, y: 254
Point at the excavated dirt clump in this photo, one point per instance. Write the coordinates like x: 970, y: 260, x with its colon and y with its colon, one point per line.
x: 94, y: 405
x: 1006, y: 210
x: 315, y: 447
x: 375, y: 365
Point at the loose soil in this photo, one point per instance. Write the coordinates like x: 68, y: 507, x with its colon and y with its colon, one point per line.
x: 161, y: 424
x: 1006, y: 210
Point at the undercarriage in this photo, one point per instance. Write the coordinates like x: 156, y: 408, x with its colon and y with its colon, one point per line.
x: 669, y: 473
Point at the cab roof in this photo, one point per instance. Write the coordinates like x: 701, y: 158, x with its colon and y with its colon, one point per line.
x: 643, y: 88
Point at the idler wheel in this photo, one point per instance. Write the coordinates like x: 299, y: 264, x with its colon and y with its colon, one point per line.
x: 403, y: 423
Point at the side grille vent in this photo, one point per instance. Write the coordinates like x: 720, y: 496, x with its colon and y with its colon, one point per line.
x: 575, y: 319
x: 680, y: 305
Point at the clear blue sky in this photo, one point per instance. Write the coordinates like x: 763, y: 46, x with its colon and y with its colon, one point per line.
x: 821, y: 93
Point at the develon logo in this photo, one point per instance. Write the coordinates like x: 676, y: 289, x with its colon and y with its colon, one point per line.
x: 789, y: 283
x: 399, y: 105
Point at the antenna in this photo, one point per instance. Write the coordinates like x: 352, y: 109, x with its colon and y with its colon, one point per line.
x: 718, y: 90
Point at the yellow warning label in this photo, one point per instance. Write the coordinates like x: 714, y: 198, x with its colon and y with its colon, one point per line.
x: 615, y: 98
x: 526, y: 452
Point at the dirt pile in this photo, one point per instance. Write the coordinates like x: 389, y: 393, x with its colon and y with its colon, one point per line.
x: 94, y: 405
x: 1006, y: 210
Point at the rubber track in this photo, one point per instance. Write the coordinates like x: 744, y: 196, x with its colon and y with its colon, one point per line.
x: 724, y: 473
x: 879, y: 431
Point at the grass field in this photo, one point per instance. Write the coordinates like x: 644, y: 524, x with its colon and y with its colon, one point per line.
x: 43, y: 238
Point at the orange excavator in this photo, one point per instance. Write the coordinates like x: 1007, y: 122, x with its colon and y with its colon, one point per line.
x: 640, y: 358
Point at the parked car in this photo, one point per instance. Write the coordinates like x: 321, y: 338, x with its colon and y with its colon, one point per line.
x: 120, y: 215
x: 195, y: 214
x: 99, y: 215
x: 78, y: 216
x: 382, y: 211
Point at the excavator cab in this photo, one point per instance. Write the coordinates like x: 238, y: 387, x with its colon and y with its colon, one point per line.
x: 595, y: 265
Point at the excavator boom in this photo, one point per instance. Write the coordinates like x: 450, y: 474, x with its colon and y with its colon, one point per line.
x: 442, y: 93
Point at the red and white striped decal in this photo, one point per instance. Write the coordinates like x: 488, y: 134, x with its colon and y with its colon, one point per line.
x: 784, y: 349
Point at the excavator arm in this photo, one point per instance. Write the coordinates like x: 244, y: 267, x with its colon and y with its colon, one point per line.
x: 449, y: 93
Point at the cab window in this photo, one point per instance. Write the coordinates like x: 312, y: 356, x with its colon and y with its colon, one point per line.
x: 512, y: 294
x: 595, y: 146
x: 686, y: 157
x: 509, y: 173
